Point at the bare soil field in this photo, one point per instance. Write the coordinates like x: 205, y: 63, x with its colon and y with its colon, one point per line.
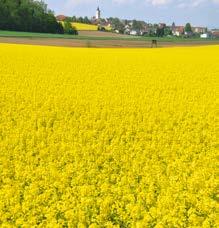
x: 100, y: 43
x: 102, y: 34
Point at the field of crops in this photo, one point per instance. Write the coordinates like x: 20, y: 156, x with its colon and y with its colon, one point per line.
x: 108, y: 137
x: 81, y: 26
x: 84, y: 27
x: 87, y: 27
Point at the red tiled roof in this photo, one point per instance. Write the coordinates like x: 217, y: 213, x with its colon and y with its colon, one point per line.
x: 60, y: 17
x: 215, y: 33
x: 179, y: 28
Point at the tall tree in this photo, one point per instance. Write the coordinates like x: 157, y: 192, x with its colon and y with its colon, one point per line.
x: 74, y: 19
x: 27, y: 15
x: 69, y: 29
x: 188, y: 28
x: 86, y: 20
x: 117, y: 25
x: 137, y: 25
x: 160, y: 32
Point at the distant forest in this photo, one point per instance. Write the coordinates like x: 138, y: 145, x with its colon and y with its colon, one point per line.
x: 28, y: 16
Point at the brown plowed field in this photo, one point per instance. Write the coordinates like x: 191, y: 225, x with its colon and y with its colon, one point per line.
x: 99, y: 43
x: 102, y: 34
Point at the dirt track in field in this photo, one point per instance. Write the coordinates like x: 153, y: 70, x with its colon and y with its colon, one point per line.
x: 99, y: 43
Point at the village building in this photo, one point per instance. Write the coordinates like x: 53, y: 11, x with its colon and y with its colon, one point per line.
x: 178, y: 30
x: 97, y: 18
x: 162, y: 25
x: 199, y: 30
x: 215, y: 33
x: 133, y: 33
x: 98, y: 13
x: 205, y: 35
x: 61, y: 17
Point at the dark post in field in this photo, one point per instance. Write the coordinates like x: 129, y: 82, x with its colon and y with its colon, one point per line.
x: 153, y: 43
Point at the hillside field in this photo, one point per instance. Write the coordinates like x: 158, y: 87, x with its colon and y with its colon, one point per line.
x: 88, y: 27
x: 108, y: 137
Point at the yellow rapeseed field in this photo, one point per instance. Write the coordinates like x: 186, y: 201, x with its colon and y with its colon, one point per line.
x: 86, y: 27
x: 108, y: 137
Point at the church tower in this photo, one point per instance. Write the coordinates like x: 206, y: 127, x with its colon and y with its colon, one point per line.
x: 98, y: 13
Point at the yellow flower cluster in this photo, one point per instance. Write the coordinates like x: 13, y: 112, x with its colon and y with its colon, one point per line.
x: 108, y: 137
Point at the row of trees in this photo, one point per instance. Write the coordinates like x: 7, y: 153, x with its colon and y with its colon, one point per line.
x: 84, y: 20
x: 29, y: 16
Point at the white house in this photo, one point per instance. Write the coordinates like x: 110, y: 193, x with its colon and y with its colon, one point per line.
x: 199, y: 29
x: 133, y: 33
x: 205, y: 35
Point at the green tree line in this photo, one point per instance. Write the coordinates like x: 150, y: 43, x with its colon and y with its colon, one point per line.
x: 28, y: 16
